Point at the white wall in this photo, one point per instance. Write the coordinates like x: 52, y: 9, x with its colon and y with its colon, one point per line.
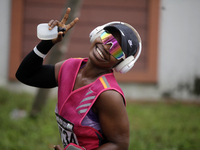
x: 4, y: 39
x: 179, y: 53
x: 5, y: 16
x: 179, y: 47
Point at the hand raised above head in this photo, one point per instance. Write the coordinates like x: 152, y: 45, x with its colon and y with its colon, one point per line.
x: 63, y: 25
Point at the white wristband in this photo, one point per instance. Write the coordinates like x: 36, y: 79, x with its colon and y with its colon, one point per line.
x: 39, y: 53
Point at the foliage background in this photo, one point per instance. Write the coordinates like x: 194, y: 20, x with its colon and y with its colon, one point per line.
x: 153, y: 125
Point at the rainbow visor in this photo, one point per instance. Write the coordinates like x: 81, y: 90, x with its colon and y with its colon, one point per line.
x: 115, y: 49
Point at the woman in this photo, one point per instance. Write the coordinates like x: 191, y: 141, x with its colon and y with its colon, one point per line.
x: 91, y: 111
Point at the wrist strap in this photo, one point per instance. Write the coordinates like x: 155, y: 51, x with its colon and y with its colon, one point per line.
x: 39, y: 53
x: 43, y: 48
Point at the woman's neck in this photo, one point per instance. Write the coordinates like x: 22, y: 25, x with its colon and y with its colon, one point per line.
x: 91, y: 71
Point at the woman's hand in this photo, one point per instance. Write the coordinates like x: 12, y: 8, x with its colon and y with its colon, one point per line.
x: 57, y: 147
x: 61, y: 24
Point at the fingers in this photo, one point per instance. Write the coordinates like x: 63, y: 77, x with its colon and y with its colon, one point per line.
x: 53, y: 23
x: 61, y: 24
x: 69, y: 26
x: 63, y: 21
x: 58, y: 39
x: 58, y: 147
x: 50, y: 22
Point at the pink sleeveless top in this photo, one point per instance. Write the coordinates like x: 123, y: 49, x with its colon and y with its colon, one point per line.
x: 73, y: 106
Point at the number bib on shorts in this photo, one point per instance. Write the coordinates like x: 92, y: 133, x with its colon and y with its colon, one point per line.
x: 66, y: 131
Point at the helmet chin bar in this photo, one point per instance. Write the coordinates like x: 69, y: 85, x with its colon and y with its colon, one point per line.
x: 127, y: 63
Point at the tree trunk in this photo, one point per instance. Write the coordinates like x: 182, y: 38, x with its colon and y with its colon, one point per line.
x: 55, y: 55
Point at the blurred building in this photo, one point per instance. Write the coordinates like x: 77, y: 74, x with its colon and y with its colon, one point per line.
x: 169, y: 63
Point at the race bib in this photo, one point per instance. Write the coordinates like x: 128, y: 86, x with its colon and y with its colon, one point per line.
x: 66, y: 131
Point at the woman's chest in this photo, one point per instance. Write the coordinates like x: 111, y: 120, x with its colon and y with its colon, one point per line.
x: 81, y: 81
